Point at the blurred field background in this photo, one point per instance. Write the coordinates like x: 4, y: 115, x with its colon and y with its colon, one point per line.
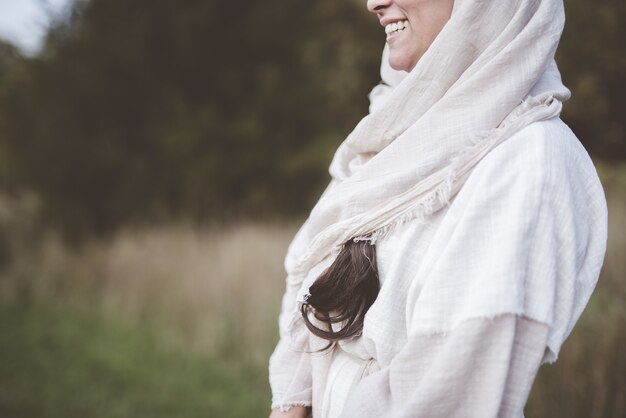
x: 156, y: 158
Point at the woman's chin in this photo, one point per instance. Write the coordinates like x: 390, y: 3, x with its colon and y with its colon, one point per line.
x: 401, y: 62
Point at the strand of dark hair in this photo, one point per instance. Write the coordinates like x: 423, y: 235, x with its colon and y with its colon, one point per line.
x: 343, y: 293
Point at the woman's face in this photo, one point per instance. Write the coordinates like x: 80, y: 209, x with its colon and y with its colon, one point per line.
x: 411, y: 26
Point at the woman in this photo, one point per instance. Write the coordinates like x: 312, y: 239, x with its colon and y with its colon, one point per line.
x: 462, y: 232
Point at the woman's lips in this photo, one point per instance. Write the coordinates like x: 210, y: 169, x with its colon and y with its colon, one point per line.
x: 393, y: 36
x: 395, y: 29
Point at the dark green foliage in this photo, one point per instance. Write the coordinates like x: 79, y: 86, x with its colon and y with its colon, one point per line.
x: 141, y: 110
x: 147, y: 110
x: 8, y: 57
x: 592, y: 58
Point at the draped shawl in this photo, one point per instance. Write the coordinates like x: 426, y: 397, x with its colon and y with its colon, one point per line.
x: 489, y: 73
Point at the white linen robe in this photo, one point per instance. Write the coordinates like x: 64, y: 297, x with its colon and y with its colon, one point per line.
x: 471, y: 302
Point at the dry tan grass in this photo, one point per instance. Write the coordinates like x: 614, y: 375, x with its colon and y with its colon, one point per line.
x: 215, y: 290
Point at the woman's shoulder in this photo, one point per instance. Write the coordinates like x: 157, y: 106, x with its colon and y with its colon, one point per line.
x: 541, y: 171
x: 541, y: 147
x: 545, y: 155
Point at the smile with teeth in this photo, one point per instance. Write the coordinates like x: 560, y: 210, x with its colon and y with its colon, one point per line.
x: 396, y: 26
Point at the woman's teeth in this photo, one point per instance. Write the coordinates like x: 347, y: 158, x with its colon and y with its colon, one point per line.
x: 396, y: 26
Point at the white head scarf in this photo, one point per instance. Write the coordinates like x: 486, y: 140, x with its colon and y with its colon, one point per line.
x: 488, y: 74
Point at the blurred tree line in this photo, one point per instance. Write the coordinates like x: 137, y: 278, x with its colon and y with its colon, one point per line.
x: 145, y: 110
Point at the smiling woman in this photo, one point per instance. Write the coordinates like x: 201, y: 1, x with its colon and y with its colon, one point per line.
x: 411, y: 27
x: 462, y: 232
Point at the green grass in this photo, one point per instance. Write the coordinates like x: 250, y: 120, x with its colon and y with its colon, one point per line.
x: 61, y: 362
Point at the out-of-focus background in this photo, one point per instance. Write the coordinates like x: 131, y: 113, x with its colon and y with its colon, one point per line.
x: 156, y: 158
